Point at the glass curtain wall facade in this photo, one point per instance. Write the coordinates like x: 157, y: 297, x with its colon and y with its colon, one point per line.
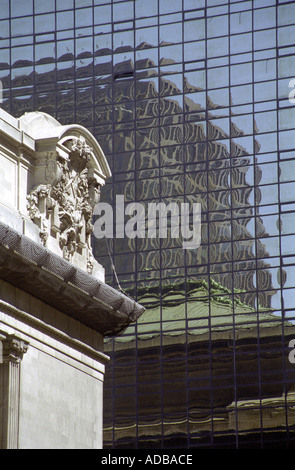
x: 192, y: 102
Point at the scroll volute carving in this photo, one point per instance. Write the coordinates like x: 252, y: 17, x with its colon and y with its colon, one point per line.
x: 63, y: 206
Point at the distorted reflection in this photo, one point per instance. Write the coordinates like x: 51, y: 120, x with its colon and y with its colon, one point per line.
x: 175, y: 116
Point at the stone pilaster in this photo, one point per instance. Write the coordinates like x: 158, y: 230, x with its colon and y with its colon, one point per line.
x: 13, y: 350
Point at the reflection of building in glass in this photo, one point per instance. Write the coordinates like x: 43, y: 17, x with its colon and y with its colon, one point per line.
x: 189, y: 100
x: 187, y: 166
x: 214, y: 380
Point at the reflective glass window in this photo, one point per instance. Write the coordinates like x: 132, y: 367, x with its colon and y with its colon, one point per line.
x: 44, y: 23
x: 123, y: 11
x: 21, y: 8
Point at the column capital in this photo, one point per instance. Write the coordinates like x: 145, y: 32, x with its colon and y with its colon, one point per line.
x: 13, y: 348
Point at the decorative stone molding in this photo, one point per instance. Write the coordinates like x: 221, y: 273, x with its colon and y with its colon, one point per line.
x: 63, y: 177
x: 64, y: 207
x: 51, y: 179
x: 13, y: 349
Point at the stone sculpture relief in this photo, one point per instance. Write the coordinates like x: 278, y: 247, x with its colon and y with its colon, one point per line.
x: 63, y: 206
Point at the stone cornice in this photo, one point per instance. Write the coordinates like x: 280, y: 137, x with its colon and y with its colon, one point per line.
x: 58, y: 283
x: 10, y: 131
x: 50, y: 331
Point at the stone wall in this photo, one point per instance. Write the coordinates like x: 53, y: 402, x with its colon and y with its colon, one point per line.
x: 59, y: 375
x: 55, y: 308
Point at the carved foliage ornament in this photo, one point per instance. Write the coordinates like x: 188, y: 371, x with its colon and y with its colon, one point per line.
x: 65, y: 206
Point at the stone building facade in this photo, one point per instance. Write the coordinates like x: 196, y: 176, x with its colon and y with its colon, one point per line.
x: 55, y: 308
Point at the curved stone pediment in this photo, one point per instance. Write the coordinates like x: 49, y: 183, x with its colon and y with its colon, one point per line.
x: 48, y: 132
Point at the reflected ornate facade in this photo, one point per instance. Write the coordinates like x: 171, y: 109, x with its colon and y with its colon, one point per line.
x: 220, y: 380
x: 190, y: 102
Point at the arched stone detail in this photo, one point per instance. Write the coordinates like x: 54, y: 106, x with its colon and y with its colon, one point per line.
x: 68, y: 173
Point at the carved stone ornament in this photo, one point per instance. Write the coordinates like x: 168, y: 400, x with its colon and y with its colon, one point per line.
x: 13, y: 349
x: 63, y: 206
